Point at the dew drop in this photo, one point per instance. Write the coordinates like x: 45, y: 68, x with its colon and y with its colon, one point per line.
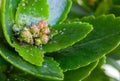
x: 7, y: 57
x: 32, y: 4
x: 45, y: 66
x: 64, y: 29
x: 15, y: 79
x: 27, y: 51
x: 10, y: 6
x: 54, y: 41
x: 31, y: 54
x: 30, y: 48
x: 36, y: 0
x: 8, y: 79
x: 0, y: 3
x: 23, y: 4
x: 26, y: 2
x: 41, y: 9
x: 41, y: 47
x: 61, y: 32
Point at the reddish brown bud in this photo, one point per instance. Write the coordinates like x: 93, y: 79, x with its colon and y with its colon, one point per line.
x: 34, y: 30
x: 37, y: 34
x: 46, y: 30
x: 42, y: 24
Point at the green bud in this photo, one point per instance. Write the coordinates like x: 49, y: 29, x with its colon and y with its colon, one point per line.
x: 38, y: 41
x: 34, y: 30
x: 41, y: 24
x: 46, y: 30
x: 45, y: 39
x: 26, y: 36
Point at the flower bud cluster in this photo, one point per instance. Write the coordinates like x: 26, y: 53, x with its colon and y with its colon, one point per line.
x: 36, y: 34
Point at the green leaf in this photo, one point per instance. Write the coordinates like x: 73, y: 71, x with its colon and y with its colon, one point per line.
x: 3, y: 65
x: 63, y: 39
x: 115, y: 54
x: 8, y: 9
x: 113, y: 63
x: 0, y: 7
x: 31, y: 11
x: 58, y: 10
x: 0, y: 4
x: 115, y: 10
x: 68, y: 34
x: 116, y: 2
x: 3, y: 77
x: 101, y: 62
x: 77, y: 12
x: 8, y: 12
x: 49, y: 70
x: 103, y: 7
x: 16, y: 74
x: 30, y: 53
x: 87, y: 5
x: 79, y: 74
x: 17, y: 78
x: 23, y: 51
x: 97, y: 75
x: 99, y: 42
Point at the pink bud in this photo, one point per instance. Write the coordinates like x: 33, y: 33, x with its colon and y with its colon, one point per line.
x: 34, y: 29
x: 46, y: 30
x: 45, y: 39
x: 42, y: 24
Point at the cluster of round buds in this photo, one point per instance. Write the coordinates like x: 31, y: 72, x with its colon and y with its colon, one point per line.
x: 36, y: 34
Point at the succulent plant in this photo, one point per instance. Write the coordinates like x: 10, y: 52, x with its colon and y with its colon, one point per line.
x: 34, y: 30
x: 40, y: 41
x: 26, y: 36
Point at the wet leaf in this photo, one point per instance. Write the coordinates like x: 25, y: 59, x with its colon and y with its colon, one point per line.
x: 102, y: 61
x: 113, y: 62
x: 3, y: 77
x: 99, y: 42
x: 30, y: 53
x: 8, y: 11
x: 81, y: 73
x: 68, y: 34
x: 97, y: 75
x: 31, y: 11
x: 103, y: 7
x: 115, y: 10
x: 3, y: 65
x: 49, y: 70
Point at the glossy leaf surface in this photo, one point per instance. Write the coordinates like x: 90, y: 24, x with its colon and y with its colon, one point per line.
x: 49, y: 70
x: 8, y: 11
x: 31, y: 11
x: 79, y: 74
x: 98, y: 43
x: 97, y: 75
x: 30, y: 53
x: 68, y: 34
